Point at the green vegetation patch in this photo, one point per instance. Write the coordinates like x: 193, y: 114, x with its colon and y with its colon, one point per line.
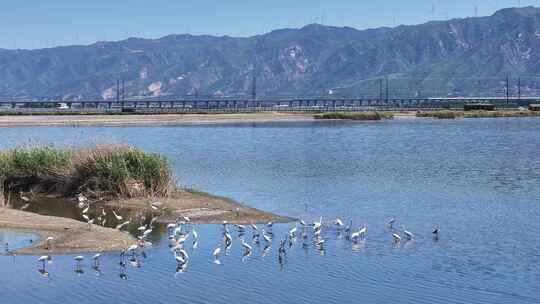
x: 355, y: 115
x: 101, y: 171
x: 447, y: 114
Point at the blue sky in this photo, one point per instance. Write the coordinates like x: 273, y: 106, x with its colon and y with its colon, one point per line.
x: 45, y: 23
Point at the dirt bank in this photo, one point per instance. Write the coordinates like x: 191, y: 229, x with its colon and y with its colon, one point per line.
x: 70, y: 236
x: 155, y: 119
x: 201, y: 208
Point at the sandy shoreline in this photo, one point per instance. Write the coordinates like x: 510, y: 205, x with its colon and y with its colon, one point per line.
x: 154, y: 119
x: 72, y: 236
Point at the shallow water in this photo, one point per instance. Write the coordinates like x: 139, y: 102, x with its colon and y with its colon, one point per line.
x: 477, y: 179
x: 11, y: 240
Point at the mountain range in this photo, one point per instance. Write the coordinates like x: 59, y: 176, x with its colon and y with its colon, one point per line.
x: 468, y: 56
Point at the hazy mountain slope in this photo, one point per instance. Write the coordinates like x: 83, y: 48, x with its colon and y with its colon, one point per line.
x: 427, y: 59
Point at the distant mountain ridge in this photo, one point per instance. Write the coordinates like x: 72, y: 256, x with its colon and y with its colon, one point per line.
x: 439, y: 57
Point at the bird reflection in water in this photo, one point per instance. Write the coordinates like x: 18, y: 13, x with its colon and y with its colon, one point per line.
x: 266, y: 250
x: 123, y: 273
x: 78, y: 264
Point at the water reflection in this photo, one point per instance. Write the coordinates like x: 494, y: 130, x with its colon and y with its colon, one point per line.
x: 98, y: 213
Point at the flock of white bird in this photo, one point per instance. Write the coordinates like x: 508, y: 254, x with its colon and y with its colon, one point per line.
x: 182, y: 232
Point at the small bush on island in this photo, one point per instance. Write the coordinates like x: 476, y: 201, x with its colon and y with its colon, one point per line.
x: 446, y: 114
x: 104, y: 171
x: 355, y: 115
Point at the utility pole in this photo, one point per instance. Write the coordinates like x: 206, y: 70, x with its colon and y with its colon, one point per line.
x: 519, y: 87
x: 387, y: 89
x: 380, y: 89
x: 507, y: 89
x: 254, y: 87
x: 123, y: 93
x: 117, y: 90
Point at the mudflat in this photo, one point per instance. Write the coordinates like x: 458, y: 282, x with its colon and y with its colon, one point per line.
x: 70, y: 236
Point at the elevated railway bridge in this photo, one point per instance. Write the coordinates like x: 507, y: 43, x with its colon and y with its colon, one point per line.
x: 301, y: 104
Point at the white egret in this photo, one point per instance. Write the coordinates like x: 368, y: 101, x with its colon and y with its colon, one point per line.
x: 318, y: 225
x: 247, y: 247
x: 44, y: 259
x: 120, y: 226
x: 81, y: 198
x: 240, y: 228
x: 216, y: 254
x: 362, y: 232
x: 267, y: 238
x: 292, y: 232
x: 355, y: 237
x: 48, y: 242
x: 118, y: 217
x: 156, y: 205
x: 95, y: 258
x: 78, y: 260
x: 147, y: 232
x: 409, y: 235
x: 228, y: 239
x: 23, y: 197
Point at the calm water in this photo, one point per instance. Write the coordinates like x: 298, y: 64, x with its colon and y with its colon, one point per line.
x: 479, y: 180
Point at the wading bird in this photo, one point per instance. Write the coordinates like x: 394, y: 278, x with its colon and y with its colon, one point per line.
x: 435, y: 232
x: 48, y: 242
x: 95, y: 259
x: 267, y: 238
x: 408, y: 235
x: 317, y: 225
x: 23, y: 197
x: 292, y: 232
x: 44, y: 259
x: 228, y: 239
x: 118, y: 217
x: 216, y: 254
x: 247, y: 248
x: 78, y: 260
x: 362, y: 232
x: 120, y: 226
